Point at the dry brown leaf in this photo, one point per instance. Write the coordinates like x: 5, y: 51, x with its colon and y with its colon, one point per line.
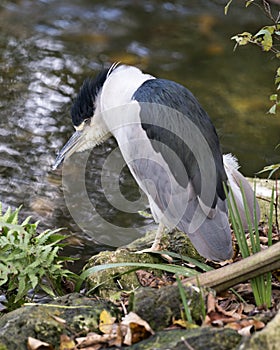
x: 91, y: 339
x: 147, y: 279
x: 235, y: 312
x: 248, y: 308
x: 94, y: 339
x: 90, y: 347
x: 246, y: 326
x: 234, y: 325
x: 36, y: 344
x: 66, y: 343
x: 218, y: 319
x: 207, y: 321
x: 135, y: 328
x: 255, y: 323
x: 211, y: 303
x: 116, y: 337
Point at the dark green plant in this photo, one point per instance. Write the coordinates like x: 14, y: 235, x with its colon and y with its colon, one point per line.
x: 188, y: 316
x: 29, y: 261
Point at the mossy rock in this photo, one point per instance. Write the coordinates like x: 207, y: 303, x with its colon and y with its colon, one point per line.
x: 174, y: 241
x: 204, y: 338
x: 108, y: 283
x: 160, y: 306
x: 81, y: 316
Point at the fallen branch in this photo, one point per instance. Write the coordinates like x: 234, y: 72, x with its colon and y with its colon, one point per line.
x: 243, y: 270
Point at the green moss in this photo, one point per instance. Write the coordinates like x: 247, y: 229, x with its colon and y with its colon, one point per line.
x: 205, y: 338
x: 159, y: 306
x: 109, y: 282
x: 81, y: 316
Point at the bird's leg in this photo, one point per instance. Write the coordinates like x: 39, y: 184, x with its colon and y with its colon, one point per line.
x: 156, y: 244
x: 159, y: 233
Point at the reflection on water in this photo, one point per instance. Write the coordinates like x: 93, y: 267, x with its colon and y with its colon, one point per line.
x: 47, y: 48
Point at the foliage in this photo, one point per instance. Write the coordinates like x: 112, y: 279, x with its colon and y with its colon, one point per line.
x: 28, y: 260
x: 264, y: 38
x: 274, y: 168
x: 181, y: 270
x: 188, y: 316
x: 261, y: 285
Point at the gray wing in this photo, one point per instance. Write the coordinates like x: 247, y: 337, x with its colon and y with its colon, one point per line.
x: 167, y: 96
x: 170, y: 116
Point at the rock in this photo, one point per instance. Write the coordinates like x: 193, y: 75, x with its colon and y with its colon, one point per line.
x: 268, y: 338
x: 159, y: 306
x: 174, y: 241
x: 203, y: 338
x: 112, y: 281
x: 45, y: 322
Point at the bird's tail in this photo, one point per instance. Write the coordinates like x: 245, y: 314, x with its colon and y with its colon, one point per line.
x: 237, y: 181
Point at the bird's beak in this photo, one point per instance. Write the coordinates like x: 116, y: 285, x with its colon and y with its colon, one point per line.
x: 69, y: 148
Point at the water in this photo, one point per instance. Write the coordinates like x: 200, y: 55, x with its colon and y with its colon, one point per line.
x: 47, y: 48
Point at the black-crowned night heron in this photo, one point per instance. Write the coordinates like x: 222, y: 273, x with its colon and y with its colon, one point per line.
x: 171, y: 148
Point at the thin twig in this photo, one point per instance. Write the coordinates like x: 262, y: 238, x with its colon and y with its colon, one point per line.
x: 187, y: 344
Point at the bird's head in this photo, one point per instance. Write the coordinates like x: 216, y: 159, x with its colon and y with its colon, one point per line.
x: 86, y: 118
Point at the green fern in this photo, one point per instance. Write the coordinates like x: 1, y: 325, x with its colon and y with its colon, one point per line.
x: 28, y: 260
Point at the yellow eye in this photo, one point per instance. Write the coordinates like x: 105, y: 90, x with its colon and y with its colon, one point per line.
x: 80, y: 127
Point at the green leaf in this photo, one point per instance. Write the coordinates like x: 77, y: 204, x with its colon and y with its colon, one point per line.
x: 273, y: 97
x: 169, y: 268
x: 264, y: 37
x: 47, y: 290
x: 28, y: 258
x: 202, y: 266
x: 184, y: 300
x: 22, y: 289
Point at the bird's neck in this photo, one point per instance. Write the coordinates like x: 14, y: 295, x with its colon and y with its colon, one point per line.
x: 114, y: 104
x: 120, y: 86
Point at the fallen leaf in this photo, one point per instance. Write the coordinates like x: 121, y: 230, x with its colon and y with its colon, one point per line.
x: 136, y: 328
x: 248, y: 308
x: 246, y: 326
x: 66, y: 343
x: 106, y: 322
x: 255, y: 323
x: 147, y: 279
x: 36, y: 344
x: 91, y: 339
x: 95, y: 341
x: 184, y: 324
x: 211, y: 302
x: 116, y: 336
